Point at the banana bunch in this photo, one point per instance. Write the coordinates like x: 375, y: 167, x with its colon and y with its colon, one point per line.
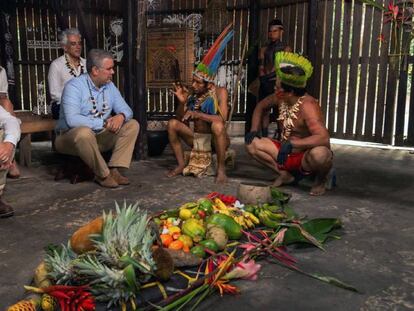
x: 246, y: 220
x: 269, y: 215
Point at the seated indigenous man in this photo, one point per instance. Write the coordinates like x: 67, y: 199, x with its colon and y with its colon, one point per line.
x: 304, y: 148
x: 93, y: 118
x: 206, y: 105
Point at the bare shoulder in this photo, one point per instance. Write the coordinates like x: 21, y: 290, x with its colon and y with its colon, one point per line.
x: 310, y: 105
x: 221, y: 91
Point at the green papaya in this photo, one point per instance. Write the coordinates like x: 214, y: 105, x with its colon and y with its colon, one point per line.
x: 210, y: 244
x: 232, y: 228
x: 193, y: 228
x: 198, y: 251
x: 206, y: 205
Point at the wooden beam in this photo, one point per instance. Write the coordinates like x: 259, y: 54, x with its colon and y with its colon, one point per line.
x: 253, y: 64
x: 311, y: 42
x: 136, y: 21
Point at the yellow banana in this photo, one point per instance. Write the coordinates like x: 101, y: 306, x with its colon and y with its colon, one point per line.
x: 220, y: 204
x: 249, y: 223
x: 252, y: 217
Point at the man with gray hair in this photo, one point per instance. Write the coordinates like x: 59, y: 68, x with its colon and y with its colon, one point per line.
x: 95, y: 118
x: 65, y: 67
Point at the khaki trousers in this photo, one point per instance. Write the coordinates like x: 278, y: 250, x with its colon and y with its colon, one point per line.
x: 88, y: 145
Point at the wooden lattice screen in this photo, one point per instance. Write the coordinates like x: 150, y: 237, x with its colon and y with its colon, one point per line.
x: 362, y: 92
x: 34, y: 26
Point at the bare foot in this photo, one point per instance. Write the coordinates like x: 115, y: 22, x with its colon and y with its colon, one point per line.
x: 175, y: 172
x: 318, y: 189
x: 221, y: 178
x: 283, y: 179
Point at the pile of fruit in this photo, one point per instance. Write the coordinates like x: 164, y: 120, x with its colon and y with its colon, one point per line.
x: 121, y: 256
x: 206, y: 225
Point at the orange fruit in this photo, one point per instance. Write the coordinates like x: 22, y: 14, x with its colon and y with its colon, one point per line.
x: 176, y: 245
x: 166, y: 239
x: 186, y: 249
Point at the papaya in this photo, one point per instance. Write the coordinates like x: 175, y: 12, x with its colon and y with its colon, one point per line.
x: 210, y: 244
x: 80, y: 240
x: 194, y: 229
x: 232, y: 228
x: 206, y: 205
x: 198, y: 251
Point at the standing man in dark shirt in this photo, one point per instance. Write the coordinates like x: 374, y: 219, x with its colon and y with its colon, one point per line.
x: 267, y: 74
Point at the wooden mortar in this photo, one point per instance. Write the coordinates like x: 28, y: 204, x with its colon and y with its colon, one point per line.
x: 253, y: 193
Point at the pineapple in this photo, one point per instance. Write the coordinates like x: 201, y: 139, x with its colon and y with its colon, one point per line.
x: 122, y: 257
x: 60, y: 264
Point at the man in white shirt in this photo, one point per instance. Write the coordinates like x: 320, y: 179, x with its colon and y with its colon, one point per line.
x: 5, y: 102
x: 9, y: 136
x: 65, y: 67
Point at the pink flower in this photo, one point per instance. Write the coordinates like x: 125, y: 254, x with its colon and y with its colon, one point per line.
x: 280, y: 236
x: 246, y: 270
x: 247, y: 247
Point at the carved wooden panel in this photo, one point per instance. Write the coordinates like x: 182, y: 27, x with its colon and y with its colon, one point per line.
x: 170, y: 56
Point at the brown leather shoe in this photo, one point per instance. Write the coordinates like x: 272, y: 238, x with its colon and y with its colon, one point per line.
x: 5, y: 210
x: 107, y: 182
x: 121, y: 180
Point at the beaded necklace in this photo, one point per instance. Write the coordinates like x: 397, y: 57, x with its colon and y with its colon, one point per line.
x: 94, y: 111
x: 288, y: 114
x: 72, y: 70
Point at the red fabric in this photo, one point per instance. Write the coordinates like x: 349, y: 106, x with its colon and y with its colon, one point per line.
x: 293, y: 162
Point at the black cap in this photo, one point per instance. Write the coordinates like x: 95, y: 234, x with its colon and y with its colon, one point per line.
x: 276, y: 22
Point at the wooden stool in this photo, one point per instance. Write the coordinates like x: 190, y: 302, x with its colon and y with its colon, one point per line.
x: 74, y: 169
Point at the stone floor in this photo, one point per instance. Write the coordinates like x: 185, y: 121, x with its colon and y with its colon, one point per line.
x: 374, y: 199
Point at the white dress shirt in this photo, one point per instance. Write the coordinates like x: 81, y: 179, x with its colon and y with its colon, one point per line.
x: 59, y: 74
x: 8, y: 123
x: 4, y: 85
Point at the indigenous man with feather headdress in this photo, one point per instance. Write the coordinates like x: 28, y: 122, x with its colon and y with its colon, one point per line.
x: 205, y: 104
x: 304, y: 147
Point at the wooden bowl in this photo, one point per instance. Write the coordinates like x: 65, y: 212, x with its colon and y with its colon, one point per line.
x: 253, y: 193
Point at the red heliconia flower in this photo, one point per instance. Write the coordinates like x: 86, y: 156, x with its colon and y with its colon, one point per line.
x: 70, y: 298
x: 226, y: 199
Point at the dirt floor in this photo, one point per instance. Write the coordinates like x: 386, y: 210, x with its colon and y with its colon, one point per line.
x: 374, y: 199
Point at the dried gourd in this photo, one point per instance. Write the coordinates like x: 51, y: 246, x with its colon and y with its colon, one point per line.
x: 80, y: 240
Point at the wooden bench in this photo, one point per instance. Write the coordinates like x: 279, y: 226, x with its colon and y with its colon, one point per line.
x: 31, y: 123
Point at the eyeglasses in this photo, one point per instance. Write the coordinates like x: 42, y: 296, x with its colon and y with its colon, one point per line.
x: 75, y: 43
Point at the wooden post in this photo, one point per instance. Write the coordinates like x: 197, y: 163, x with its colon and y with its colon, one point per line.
x: 252, y: 61
x: 311, y: 44
x: 86, y: 32
x: 136, y: 69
